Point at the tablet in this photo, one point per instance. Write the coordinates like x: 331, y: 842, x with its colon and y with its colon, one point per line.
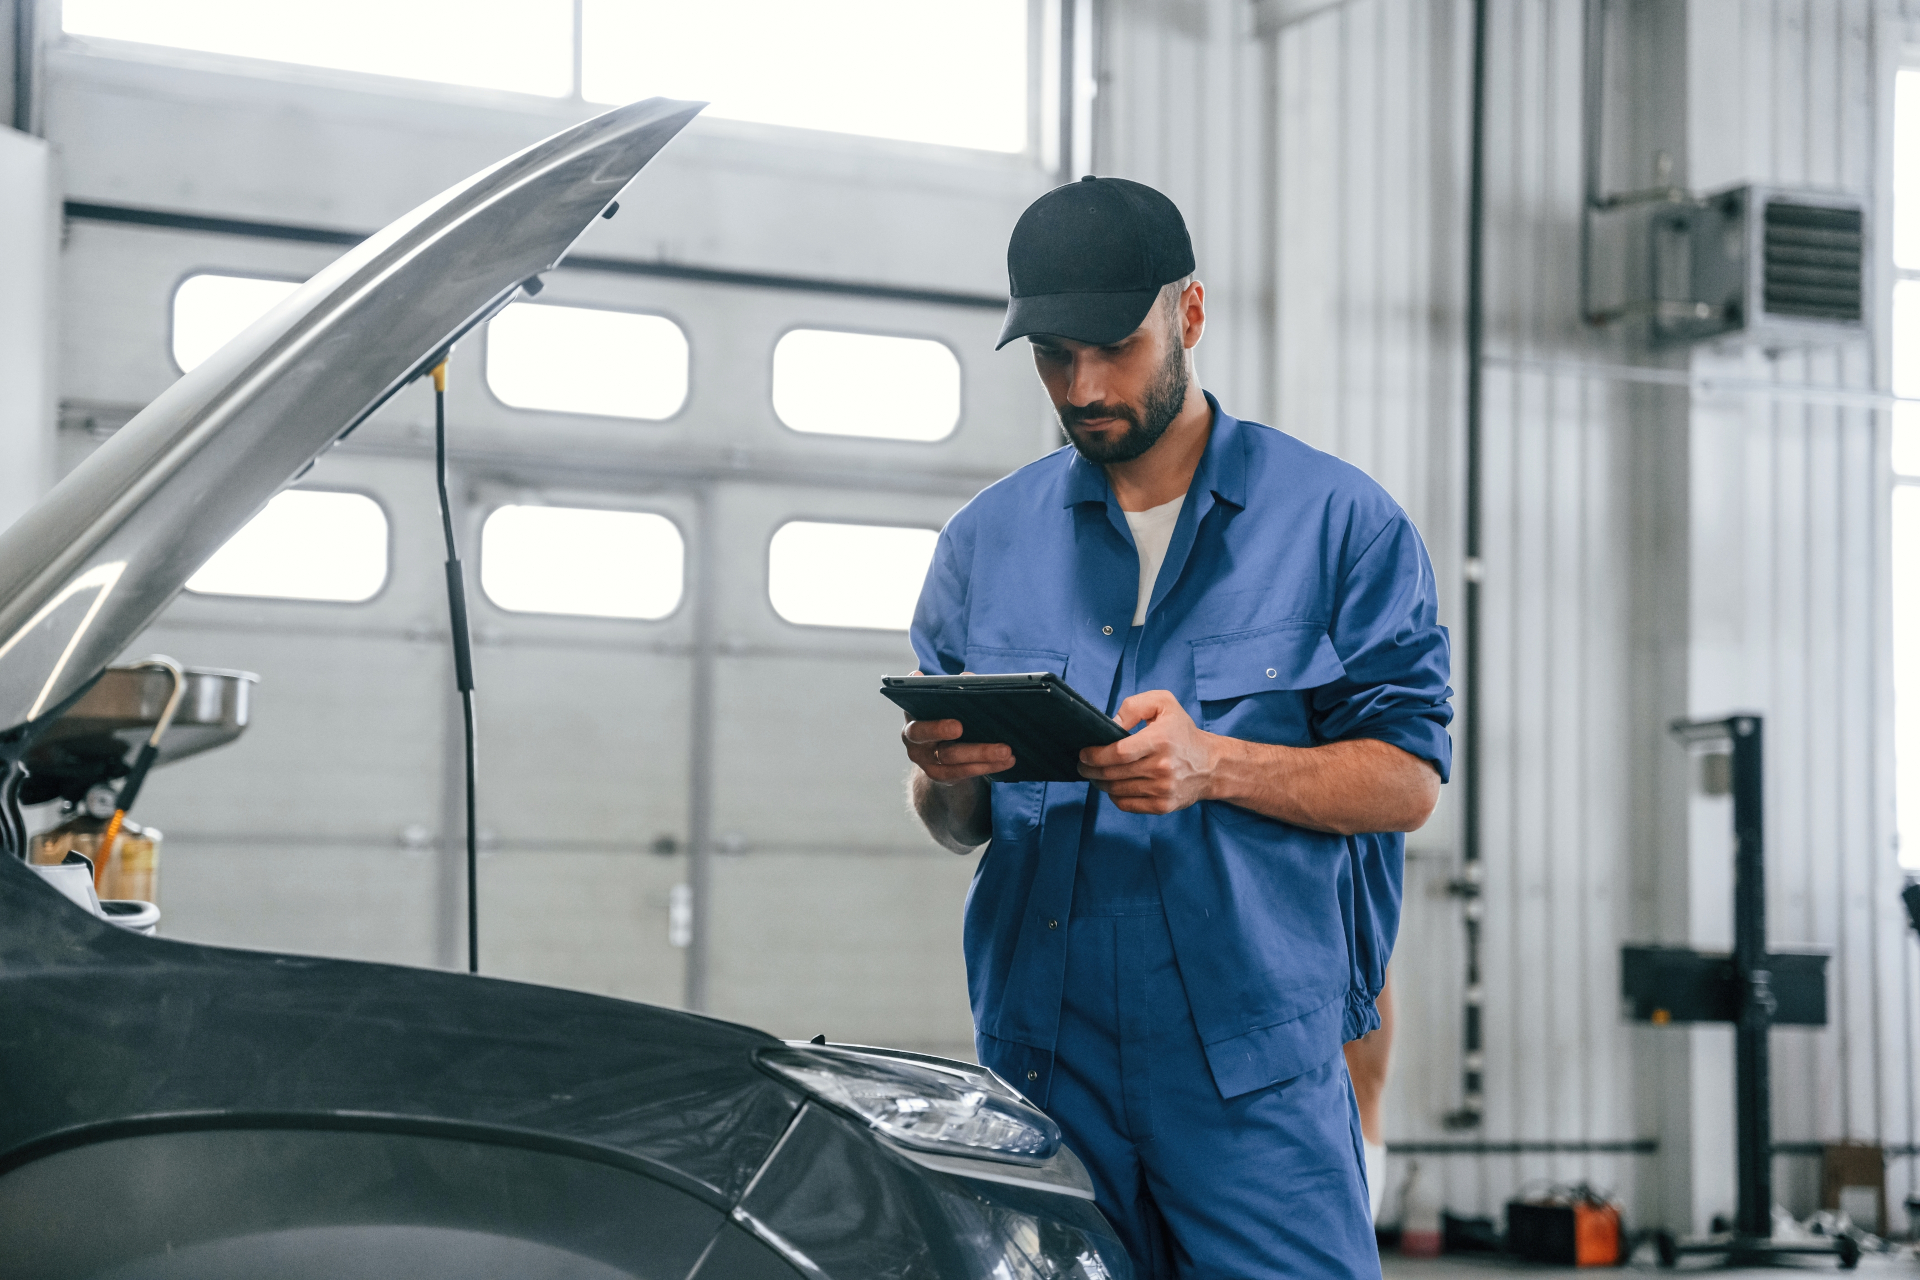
x: 1036, y: 713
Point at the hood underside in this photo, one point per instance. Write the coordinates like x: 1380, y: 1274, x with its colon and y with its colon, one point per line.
x: 94, y: 562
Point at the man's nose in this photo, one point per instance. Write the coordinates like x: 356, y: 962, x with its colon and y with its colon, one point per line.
x: 1084, y: 385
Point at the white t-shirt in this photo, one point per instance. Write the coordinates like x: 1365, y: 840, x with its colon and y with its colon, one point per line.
x: 1152, y: 531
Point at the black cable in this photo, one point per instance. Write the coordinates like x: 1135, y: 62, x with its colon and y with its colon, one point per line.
x: 462, y: 660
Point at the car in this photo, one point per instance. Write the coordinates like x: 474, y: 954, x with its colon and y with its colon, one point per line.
x: 176, y: 1110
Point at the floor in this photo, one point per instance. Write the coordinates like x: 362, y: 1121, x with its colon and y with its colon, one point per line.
x: 1897, y: 1266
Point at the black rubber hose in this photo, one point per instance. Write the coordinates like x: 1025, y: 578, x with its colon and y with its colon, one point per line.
x: 462, y: 662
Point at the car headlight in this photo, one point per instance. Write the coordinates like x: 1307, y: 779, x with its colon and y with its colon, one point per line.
x: 925, y: 1103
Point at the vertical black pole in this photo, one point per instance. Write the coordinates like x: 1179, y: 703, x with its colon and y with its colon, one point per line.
x: 1753, y: 1120
x: 1593, y: 90
x: 1473, y: 1085
x: 25, y: 64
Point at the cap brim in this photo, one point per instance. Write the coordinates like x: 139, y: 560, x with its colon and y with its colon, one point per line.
x: 1096, y: 318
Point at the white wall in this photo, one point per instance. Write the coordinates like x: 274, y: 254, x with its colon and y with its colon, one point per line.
x: 1789, y: 537
x: 1651, y: 550
x: 28, y: 245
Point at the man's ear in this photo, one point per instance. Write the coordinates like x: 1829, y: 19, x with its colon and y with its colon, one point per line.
x: 1193, y: 314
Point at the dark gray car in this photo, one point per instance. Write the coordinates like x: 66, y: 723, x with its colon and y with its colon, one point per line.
x: 175, y: 1110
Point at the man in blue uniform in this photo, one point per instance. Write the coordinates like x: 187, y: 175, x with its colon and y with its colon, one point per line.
x: 1168, y: 957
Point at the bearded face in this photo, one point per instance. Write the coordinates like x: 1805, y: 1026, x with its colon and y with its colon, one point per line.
x: 1147, y: 421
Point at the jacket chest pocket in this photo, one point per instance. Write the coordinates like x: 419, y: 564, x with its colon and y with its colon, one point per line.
x: 1016, y: 809
x: 1258, y: 685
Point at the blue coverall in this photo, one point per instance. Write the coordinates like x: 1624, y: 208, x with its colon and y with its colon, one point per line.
x: 1174, y: 989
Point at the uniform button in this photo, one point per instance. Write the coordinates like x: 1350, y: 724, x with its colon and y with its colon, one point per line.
x: 1053, y: 924
x: 1271, y: 673
x: 1106, y: 631
x: 1033, y: 1075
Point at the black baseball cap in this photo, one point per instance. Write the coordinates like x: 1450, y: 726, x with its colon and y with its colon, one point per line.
x: 1087, y: 260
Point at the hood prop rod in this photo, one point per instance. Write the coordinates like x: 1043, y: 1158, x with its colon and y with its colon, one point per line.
x: 130, y: 789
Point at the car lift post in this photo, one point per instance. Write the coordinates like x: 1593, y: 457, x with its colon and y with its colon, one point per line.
x: 1752, y: 1061
x: 1752, y: 989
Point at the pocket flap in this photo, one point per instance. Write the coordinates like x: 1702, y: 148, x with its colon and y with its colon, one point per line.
x: 1296, y: 655
x: 986, y: 660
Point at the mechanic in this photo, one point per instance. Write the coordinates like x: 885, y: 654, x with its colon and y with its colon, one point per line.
x: 1171, y: 971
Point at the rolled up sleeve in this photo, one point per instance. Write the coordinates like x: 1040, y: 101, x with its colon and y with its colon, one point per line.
x: 1385, y: 631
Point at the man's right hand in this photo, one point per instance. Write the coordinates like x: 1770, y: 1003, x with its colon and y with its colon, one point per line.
x: 933, y: 746
x: 948, y: 787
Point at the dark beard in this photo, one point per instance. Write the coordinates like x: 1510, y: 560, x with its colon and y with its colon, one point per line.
x: 1165, y: 398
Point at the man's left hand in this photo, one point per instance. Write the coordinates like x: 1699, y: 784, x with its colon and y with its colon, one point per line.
x: 1165, y: 767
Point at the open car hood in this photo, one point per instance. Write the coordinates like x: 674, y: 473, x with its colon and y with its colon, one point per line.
x: 96, y: 560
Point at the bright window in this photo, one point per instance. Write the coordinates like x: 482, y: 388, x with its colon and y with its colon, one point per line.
x: 616, y: 364
x: 944, y: 71
x: 848, y: 575
x: 583, y: 561
x: 1906, y: 371
x: 866, y: 384
x: 1906, y: 440
x: 525, y: 46
x: 211, y: 310
x: 307, y: 544
x: 1906, y: 170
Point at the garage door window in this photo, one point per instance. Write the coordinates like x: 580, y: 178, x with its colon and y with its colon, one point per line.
x: 582, y: 561
x: 848, y: 575
x: 307, y: 544
x: 525, y: 46
x: 826, y: 382
x: 612, y: 364
x: 210, y: 310
x: 953, y: 74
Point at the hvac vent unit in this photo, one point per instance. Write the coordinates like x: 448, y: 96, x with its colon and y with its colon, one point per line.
x: 1767, y: 265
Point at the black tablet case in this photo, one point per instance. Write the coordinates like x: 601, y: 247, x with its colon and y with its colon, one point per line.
x: 1037, y: 714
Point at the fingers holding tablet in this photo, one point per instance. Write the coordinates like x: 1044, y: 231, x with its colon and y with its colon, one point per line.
x: 933, y: 745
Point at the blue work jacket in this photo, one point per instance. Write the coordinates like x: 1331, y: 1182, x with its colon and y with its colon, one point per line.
x: 1296, y: 606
